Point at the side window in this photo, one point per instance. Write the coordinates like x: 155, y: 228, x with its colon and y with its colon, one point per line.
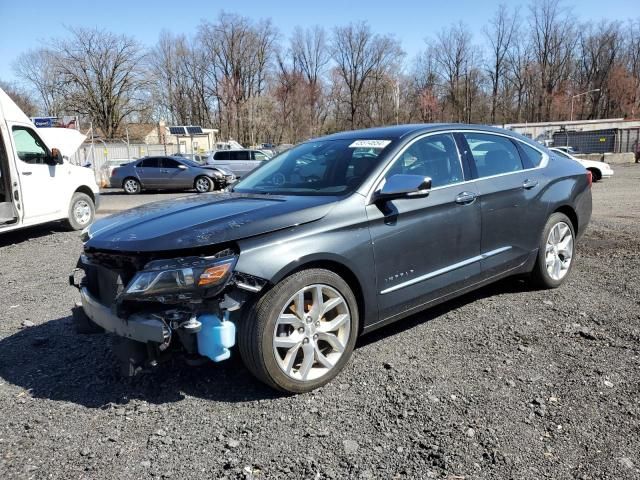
x: 29, y: 147
x: 533, y: 155
x: 169, y: 163
x: 493, y: 154
x: 241, y: 155
x: 435, y: 156
x: 221, y: 155
x: 152, y: 162
x: 259, y: 156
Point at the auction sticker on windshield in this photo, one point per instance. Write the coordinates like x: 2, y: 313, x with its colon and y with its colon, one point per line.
x: 370, y: 144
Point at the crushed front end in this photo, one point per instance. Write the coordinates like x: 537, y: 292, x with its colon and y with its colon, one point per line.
x: 164, y: 303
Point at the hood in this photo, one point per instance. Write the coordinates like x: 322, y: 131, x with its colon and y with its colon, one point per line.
x: 202, y: 220
x: 67, y: 140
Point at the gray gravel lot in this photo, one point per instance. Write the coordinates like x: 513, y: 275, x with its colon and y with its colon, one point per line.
x: 502, y: 383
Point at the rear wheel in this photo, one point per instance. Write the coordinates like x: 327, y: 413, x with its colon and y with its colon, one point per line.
x: 203, y: 184
x: 131, y: 186
x: 555, y: 253
x: 81, y: 211
x: 302, y: 332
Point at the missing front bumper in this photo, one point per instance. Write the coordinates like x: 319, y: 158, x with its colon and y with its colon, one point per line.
x: 137, y: 327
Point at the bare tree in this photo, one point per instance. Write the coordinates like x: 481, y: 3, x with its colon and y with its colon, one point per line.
x: 22, y: 98
x: 499, y: 33
x: 360, y: 56
x: 102, y: 74
x: 553, y: 38
x: 37, y: 68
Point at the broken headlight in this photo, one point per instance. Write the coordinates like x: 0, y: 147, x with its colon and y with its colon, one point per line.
x: 180, y: 279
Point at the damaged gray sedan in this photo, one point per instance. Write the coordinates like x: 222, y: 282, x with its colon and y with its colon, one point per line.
x: 330, y: 240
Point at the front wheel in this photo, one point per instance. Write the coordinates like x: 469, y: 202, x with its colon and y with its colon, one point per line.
x: 301, y: 333
x: 555, y: 253
x: 203, y: 184
x: 81, y: 211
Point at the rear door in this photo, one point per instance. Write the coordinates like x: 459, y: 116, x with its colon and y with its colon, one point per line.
x: 509, y: 188
x: 149, y: 172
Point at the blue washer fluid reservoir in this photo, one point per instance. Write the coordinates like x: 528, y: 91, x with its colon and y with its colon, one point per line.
x: 216, y: 337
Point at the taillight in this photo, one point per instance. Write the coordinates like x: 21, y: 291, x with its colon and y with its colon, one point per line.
x: 589, y: 178
x: 113, y: 172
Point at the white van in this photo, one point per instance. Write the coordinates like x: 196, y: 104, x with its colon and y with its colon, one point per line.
x: 37, y: 184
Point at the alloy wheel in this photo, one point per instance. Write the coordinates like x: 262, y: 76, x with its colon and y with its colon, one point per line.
x: 559, y: 251
x: 203, y: 185
x: 311, y: 332
x: 131, y: 186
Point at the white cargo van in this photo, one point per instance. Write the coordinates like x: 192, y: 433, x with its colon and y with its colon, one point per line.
x: 37, y: 184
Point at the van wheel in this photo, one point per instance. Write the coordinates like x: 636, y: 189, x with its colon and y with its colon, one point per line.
x: 301, y: 333
x: 555, y: 253
x: 81, y: 211
x: 203, y: 184
x: 131, y: 186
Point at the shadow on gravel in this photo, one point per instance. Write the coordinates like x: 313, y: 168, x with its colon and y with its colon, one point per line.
x: 31, y: 233
x: 52, y: 361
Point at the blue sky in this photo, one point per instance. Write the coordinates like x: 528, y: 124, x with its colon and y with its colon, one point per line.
x: 29, y: 24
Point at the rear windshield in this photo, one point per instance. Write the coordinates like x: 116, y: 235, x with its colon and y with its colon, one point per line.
x: 329, y: 167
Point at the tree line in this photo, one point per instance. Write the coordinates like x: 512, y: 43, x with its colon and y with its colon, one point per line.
x: 239, y: 75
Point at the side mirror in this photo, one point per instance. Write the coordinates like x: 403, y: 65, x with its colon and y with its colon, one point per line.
x: 56, y: 156
x: 403, y: 186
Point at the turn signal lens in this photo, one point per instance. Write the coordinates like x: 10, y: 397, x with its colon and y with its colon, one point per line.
x: 214, y: 275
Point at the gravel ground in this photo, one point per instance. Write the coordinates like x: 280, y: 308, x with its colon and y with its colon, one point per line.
x: 503, y: 383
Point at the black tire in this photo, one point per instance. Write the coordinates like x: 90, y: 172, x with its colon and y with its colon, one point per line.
x: 539, y: 275
x: 83, y: 324
x: 82, y: 211
x: 256, y: 331
x: 203, y: 184
x: 596, y: 176
x: 131, y: 186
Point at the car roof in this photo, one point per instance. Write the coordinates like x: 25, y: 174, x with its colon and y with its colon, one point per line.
x: 396, y: 132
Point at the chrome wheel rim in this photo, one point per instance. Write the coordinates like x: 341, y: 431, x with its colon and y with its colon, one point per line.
x: 82, y: 212
x: 202, y: 185
x: 311, y: 332
x: 559, y: 251
x: 131, y: 186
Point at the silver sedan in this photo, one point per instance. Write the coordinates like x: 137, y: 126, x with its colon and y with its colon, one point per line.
x: 169, y: 173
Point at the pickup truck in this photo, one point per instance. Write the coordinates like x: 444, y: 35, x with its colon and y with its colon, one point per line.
x: 37, y: 184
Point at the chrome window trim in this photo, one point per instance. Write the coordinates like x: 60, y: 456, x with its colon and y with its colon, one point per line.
x: 377, y: 183
x: 444, y: 270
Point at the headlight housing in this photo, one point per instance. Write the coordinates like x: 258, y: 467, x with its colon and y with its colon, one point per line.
x: 181, y: 279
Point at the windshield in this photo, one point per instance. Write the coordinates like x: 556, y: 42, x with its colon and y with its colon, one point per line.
x: 329, y: 167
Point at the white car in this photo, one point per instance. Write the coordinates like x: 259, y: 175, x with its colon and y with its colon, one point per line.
x: 599, y: 170
x: 37, y: 184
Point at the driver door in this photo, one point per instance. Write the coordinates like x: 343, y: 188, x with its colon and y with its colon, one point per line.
x: 429, y: 246
x: 42, y: 192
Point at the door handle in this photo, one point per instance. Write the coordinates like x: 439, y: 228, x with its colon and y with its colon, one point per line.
x: 26, y: 173
x: 529, y: 184
x: 466, y: 198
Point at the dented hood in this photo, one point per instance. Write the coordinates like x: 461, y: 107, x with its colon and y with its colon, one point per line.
x: 203, y: 220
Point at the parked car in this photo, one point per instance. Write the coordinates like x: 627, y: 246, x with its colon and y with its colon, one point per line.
x: 295, y: 266
x: 567, y: 149
x: 240, y: 162
x: 599, y: 170
x: 37, y: 184
x: 169, y: 173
